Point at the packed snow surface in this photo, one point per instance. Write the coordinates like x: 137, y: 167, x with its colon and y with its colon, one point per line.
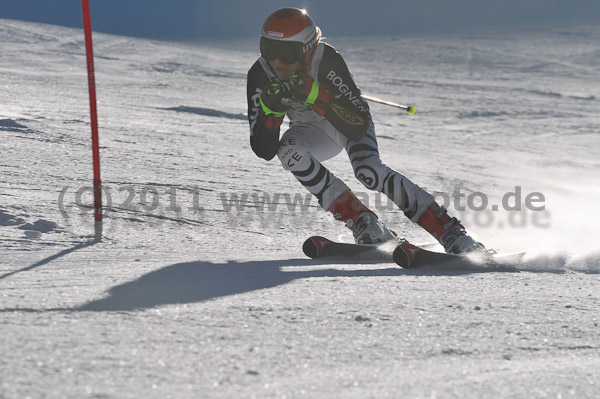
x: 200, y: 287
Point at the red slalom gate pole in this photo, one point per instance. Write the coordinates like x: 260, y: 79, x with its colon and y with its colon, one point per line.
x: 87, y: 26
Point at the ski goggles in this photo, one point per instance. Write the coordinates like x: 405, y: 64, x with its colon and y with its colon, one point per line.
x: 287, y: 52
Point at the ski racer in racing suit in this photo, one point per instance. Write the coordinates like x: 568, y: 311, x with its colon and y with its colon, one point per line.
x: 300, y: 76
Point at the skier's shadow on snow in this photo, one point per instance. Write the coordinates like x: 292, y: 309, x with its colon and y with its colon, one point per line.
x: 201, y: 281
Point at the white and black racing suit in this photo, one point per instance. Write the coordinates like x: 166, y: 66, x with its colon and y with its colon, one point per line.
x: 313, y: 138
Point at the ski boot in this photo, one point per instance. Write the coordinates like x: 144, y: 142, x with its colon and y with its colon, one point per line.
x: 364, y: 224
x: 448, y: 231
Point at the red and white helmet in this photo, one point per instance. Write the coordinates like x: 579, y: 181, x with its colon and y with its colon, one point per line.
x: 288, y: 34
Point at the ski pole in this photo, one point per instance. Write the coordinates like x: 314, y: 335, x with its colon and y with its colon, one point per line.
x: 410, y: 109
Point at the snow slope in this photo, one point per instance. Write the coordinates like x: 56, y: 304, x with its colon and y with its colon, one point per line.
x: 200, y: 288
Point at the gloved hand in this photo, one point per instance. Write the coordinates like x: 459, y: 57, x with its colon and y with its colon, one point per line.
x: 307, y: 91
x: 275, y: 98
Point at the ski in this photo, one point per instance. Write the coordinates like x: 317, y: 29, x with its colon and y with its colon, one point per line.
x: 317, y: 247
x: 404, y: 254
x: 409, y: 256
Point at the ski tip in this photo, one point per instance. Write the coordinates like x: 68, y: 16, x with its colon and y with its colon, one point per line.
x: 314, y: 245
x: 404, y: 254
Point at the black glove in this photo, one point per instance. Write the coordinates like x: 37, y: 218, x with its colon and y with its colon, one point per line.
x: 276, y: 98
x: 305, y: 90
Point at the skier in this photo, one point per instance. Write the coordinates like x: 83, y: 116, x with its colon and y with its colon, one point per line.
x: 300, y: 76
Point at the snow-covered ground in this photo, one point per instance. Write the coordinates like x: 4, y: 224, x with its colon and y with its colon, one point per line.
x: 192, y: 294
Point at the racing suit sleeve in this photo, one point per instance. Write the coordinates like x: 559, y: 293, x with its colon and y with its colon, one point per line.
x: 264, y: 129
x: 347, y: 111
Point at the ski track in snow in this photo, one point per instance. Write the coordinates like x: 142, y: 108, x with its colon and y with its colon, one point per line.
x: 200, y: 288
